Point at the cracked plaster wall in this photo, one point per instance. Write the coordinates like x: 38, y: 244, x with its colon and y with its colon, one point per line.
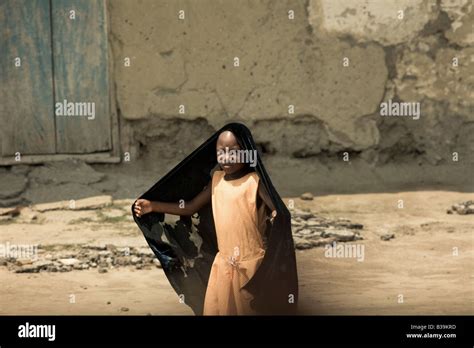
x: 296, y: 62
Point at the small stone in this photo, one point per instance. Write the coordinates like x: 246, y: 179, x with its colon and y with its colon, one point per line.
x: 109, y: 260
x: 135, y: 260
x: 305, y: 215
x: 28, y: 215
x: 95, y: 247
x: 355, y: 226
x: 93, y: 256
x: 315, y: 235
x: 122, y: 260
x: 296, y: 223
x: 387, y: 236
x: 340, y: 235
x: 307, y: 196
x: 108, y: 302
x: 311, y: 223
x: 69, y: 261
x: 27, y: 269
x: 157, y: 263
x: 43, y: 264
x: 103, y: 270
x: 145, y: 252
x: 302, y: 244
x: 124, y: 250
x: 93, y: 264
x: 11, y: 211
x: 124, y: 309
x: 23, y: 262
x: 111, y: 247
x: 305, y: 231
x: 463, y: 208
x: 323, y: 241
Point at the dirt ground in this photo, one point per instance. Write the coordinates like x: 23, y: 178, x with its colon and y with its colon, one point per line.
x: 429, y: 262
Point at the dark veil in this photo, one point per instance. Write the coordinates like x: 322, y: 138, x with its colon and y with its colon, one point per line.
x: 187, y: 248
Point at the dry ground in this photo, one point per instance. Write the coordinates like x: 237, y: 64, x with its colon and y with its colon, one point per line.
x: 418, y: 263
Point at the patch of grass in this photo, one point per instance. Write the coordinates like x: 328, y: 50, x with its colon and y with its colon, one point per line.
x: 111, y: 219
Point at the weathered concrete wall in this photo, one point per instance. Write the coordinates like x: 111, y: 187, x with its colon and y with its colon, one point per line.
x: 403, y: 56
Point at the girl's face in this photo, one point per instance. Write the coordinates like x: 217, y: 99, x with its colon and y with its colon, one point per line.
x: 226, y: 147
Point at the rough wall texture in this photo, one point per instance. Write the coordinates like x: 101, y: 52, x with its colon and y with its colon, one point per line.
x: 297, y: 62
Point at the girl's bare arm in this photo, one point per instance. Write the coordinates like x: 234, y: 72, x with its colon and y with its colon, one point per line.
x: 262, y: 192
x: 143, y: 206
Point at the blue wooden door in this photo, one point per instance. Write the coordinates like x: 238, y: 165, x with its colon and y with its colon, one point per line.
x: 80, y: 75
x: 57, y: 100
x: 27, y: 113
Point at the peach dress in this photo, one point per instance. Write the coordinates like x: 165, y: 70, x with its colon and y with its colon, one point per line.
x: 239, y: 229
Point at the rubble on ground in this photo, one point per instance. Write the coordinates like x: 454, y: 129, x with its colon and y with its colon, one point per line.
x: 310, y: 230
x: 307, y: 196
x: 387, y: 236
x: 66, y: 257
x: 463, y: 208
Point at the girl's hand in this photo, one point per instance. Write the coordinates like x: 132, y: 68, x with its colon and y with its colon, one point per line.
x: 274, y: 214
x: 142, y: 207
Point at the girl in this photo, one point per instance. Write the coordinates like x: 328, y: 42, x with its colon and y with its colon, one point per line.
x: 242, y: 210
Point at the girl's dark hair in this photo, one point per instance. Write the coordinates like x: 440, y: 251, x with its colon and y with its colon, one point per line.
x: 238, y: 136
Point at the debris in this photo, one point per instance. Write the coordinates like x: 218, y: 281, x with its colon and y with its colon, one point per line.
x: 387, y: 236
x: 307, y: 196
x: 69, y: 262
x: 67, y: 257
x: 340, y: 235
x: 27, y: 269
x: 135, y: 260
x: 12, y: 212
x: 463, y: 208
x: 311, y: 230
x: 28, y: 215
x: 304, y: 215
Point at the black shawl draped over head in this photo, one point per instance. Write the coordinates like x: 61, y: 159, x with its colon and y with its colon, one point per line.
x: 186, y: 249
